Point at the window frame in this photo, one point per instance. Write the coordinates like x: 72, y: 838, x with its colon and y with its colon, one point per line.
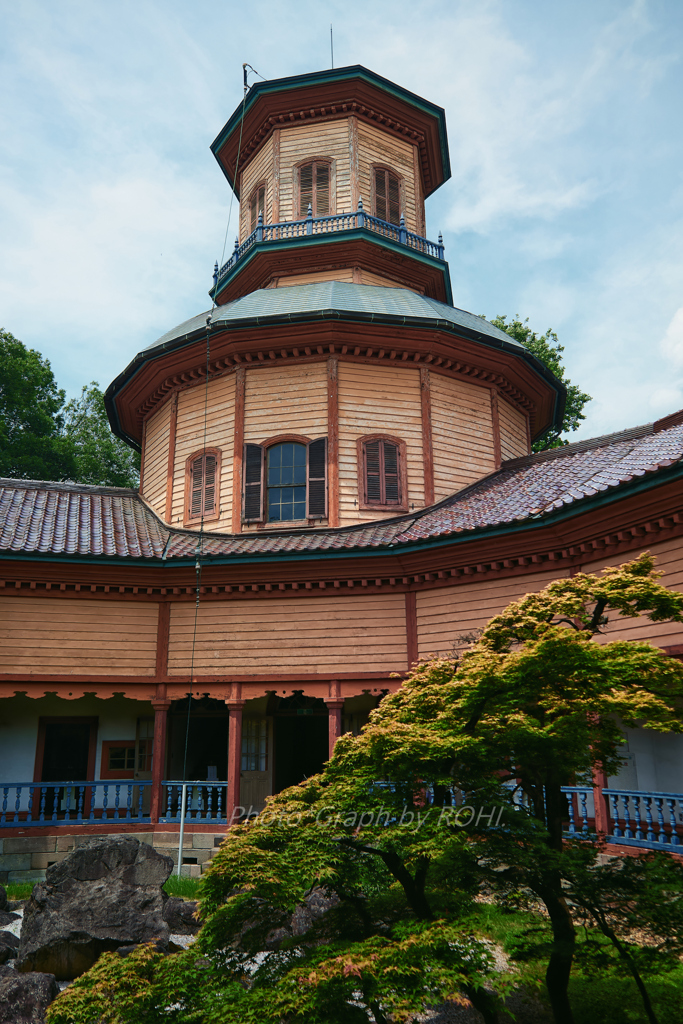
x: 401, y: 192
x: 296, y: 191
x: 270, y: 442
x: 402, y: 504
x: 188, y: 518
x: 112, y: 773
x: 254, y: 193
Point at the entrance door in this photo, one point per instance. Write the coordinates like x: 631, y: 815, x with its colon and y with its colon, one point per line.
x: 256, y: 772
x: 301, y: 747
x: 66, y: 753
x: 144, y: 753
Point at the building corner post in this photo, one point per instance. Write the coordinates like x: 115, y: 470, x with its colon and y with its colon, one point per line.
x: 161, y: 708
x: 335, y: 706
x: 234, y: 705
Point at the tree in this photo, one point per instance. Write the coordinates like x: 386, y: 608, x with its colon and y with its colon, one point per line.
x: 32, y: 445
x: 101, y: 457
x: 547, y: 349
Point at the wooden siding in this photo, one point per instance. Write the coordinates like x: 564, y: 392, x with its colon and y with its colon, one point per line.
x: 355, y: 633
x: 669, y: 559
x: 513, y: 431
x: 285, y: 399
x: 328, y: 140
x: 343, y: 274
x: 46, y: 635
x: 462, y: 433
x: 366, y: 277
x: 259, y: 169
x: 156, y: 459
x: 377, y: 400
x: 378, y: 147
x: 219, y: 434
x: 448, y: 612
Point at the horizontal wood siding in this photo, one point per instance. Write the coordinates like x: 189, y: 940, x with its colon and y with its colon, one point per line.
x: 48, y: 635
x: 669, y: 560
x: 257, y: 170
x: 355, y: 633
x: 462, y: 433
x: 220, y: 421
x: 156, y: 458
x: 378, y: 147
x: 513, y: 431
x: 285, y: 400
x: 366, y: 277
x: 343, y: 274
x: 377, y: 400
x: 445, y: 613
x: 328, y: 140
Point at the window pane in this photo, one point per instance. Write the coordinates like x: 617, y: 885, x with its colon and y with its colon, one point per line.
x: 287, y: 481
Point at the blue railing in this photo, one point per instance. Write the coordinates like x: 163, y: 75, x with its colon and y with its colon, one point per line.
x: 331, y: 224
x: 73, y: 803
x: 637, y: 818
x: 206, y: 801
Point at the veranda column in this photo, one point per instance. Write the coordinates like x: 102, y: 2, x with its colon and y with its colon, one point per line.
x: 334, y: 713
x: 235, y: 705
x: 158, y: 757
x: 602, y: 816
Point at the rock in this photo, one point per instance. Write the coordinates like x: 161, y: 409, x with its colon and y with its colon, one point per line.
x: 9, y: 945
x: 4, y: 902
x: 24, y: 998
x: 7, y: 918
x: 179, y: 916
x: 104, y: 895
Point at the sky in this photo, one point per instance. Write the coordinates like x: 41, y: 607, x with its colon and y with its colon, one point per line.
x: 565, y: 203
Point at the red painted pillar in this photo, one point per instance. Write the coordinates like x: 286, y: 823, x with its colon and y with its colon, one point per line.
x: 334, y: 712
x: 158, y: 758
x: 600, y: 801
x: 233, y: 806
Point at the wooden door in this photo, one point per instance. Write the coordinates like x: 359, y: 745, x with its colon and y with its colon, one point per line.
x: 256, y: 774
x: 144, y: 752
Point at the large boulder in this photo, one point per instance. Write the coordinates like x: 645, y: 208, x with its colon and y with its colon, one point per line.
x: 4, y: 902
x: 105, y: 894
x: 179, y: 916
x: 9, y: 944
x: 24, y: 998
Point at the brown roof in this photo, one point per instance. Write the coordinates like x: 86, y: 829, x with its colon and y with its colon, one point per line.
x: 75, y: 519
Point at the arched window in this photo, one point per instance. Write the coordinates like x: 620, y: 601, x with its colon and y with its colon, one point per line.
x: 387, y: 194
x: 257, y: 205
x: 382, y: 473
x: 314, y: 188
x: 202, y: 473
x: 285, y: 479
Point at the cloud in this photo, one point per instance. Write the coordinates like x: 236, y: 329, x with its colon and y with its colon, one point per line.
x: 671, y: 344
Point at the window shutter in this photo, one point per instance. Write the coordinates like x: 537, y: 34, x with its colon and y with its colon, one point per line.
x: 305, y: 189
x: 373, y: 484
x: 258, y: 205
x: 317, y: 478
x: 393, y: 201
x: 253, y: 482
x: 322, y: 190
x: 209, y: 485
x: 392, y: 490
x: 381, y: 195
x: 196, y: 488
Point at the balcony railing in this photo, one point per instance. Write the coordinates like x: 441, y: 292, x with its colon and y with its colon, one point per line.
x: 73, y: 803
x: 333, y: 224
x: 636, y: 818
x: 206, y: 802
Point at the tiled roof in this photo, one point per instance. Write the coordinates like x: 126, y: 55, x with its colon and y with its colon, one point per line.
x: 64, y: 519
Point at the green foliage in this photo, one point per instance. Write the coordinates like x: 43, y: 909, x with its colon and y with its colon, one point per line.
x: 101, y: 457
x: 41, y: 438
x: 32, y: 445
x: 547, y: 349
x: 185, y: 887
x: 18, y: 890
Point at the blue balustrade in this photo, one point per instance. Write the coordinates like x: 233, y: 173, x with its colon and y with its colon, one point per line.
x: 206, y: 802
x: 637, y: 818
x: 72, y: 803
x: 331, y: 224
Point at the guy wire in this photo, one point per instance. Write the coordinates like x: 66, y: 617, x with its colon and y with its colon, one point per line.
x: 200, y: 536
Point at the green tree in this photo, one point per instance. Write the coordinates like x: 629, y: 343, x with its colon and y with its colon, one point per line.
x: 32, y: 444
x: 547, y: 349
x: 101, y: 457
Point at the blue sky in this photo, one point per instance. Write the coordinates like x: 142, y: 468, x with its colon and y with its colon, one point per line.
x: 565, y: 205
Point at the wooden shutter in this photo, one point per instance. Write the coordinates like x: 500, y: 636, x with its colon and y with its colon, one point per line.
x: 322, y: 190
x: 305, y: 189
x: 387, y: 196
x: 253, y: 482
x: 209, y: 485
x: 203, y: 490
x: 258, y: 205
x: 382, y: 473
x: 373, y: 479
x: 196, y: 488
x: 317, y: 478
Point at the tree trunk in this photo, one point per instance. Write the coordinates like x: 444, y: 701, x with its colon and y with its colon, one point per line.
x: 631, y: 964
x: 562, y: 955
x: 484, y: 1002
